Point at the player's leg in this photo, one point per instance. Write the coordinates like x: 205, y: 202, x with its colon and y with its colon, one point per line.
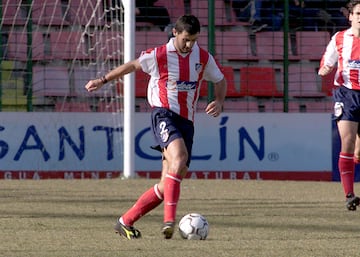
x: 357, y: 147
x: 148, y: 201
x: 348, y: 133
x: 177, y: 156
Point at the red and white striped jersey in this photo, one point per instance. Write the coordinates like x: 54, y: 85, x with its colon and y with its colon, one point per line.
x: 176, y: 78
x: 344, y: 49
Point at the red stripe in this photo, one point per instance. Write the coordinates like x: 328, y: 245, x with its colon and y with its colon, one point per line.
x: 355, y: 53
x: 184, y: 75
x: 161, y: 56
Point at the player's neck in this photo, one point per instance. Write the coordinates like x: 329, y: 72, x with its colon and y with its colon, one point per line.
x: 356, y: 32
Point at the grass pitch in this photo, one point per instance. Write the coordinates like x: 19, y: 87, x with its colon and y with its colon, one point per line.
x: 247, y: 218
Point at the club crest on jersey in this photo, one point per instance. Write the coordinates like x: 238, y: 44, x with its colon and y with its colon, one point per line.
x: 198, y: 67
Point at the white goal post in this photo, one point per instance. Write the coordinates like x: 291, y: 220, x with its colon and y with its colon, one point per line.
x: 129, y: 91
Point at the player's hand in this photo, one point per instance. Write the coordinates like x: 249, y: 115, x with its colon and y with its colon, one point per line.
x: 93, y: 85
x: 325, y: 70
x: 214, y: 108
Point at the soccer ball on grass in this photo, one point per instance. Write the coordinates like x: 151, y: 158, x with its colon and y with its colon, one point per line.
x: 194, y: 226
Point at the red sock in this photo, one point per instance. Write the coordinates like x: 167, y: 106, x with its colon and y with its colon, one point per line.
x: 347, y: 170
x: 171, y: 196
x: 146, y: 202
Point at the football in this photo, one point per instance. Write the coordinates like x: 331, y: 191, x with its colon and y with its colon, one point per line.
x: 193, y: 226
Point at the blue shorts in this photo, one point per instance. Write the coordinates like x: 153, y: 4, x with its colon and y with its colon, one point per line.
x: 167, y: 126
x: 347, y: 104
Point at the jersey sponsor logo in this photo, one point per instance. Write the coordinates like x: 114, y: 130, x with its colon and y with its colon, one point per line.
x: 181, y: 86
x: 355, y: 64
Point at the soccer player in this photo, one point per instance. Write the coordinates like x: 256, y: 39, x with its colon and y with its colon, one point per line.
x: 176, y: 69
x: 344, y: 50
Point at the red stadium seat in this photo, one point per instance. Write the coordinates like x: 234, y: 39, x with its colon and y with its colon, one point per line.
x: 311, y: 44
x: 233, y: 45
x: 73, y: 45
x: 259, y: 82
x: 149, y: 39
x: 13, y: 13
x: 231, y: 88
x: 50, y: 81
x: 270, y: 45
x: 304, y: 81
x: 17, y: 46
x: 88, y: 12
x: 106, y: 45
x: 48, y: 13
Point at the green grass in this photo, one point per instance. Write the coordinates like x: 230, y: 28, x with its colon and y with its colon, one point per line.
x: 247, y: 218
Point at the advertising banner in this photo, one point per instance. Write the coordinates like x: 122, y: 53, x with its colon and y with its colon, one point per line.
x: 233, y: 145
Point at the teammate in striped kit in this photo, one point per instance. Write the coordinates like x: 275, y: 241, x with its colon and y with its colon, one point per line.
x: 344, y: 50
x: 176, y: 69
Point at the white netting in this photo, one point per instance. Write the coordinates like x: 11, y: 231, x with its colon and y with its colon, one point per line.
x: 72, y: 42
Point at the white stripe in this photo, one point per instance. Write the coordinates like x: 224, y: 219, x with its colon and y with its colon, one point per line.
x: 346, y: 157
x: 174, y: 178
x: 157, y: 192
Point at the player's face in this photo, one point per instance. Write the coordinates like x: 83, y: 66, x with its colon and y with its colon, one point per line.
x: 184, y: 41
x: 355, y: 17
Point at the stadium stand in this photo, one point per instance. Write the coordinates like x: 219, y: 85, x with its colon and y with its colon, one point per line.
x: 259, y: 82
x: 200, y: 9
x: 13, y: 14
x: 310, y: 45
x: 73, y: 41
x: 72, y: 106
x: 48, y: 13
x: 270, y: 45
x: 50, y: 81
x: 304, y: 81
x: 234, y: 46
x: 232, y: 91
x: 176, y: 8
x: 149, y: 39
x: 73, y: 44
x: 249, y: 105
x: 85, y: 13
x: 17, y: 46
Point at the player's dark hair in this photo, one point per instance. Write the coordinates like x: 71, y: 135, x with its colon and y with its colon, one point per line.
x: 188, y: 23
x: 352, y: 4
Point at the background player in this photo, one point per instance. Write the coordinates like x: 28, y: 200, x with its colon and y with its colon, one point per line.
x: 176, y: 69
x: 344, y: 50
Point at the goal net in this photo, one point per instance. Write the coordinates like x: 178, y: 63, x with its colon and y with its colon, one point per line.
x: 71, y: 42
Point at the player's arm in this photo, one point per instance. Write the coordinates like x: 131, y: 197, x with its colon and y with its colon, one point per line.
x: 329, y: 58
x: 118, y: 72
x: 214, y: 108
